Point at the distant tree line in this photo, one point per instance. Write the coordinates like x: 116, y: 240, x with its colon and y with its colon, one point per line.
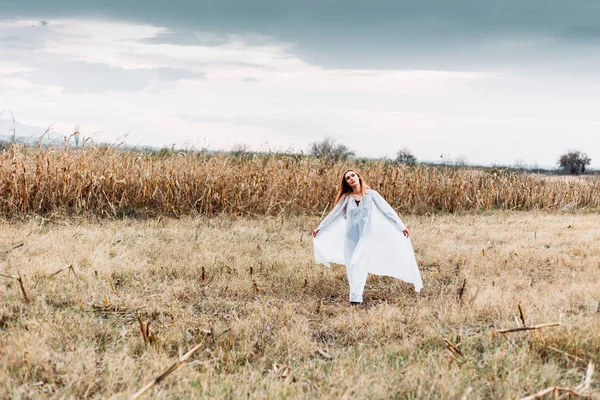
x: 573, y: 162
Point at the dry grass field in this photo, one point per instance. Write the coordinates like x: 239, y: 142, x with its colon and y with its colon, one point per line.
x: 270, y: 323
x: 112, y: 183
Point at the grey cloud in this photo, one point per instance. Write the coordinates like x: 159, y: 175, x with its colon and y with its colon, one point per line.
x: 582, y: 33
x: 376, y: 34
x: 87, y: 77
x: 22, y: 44
x: 234, y: 119
x: 165, y: 59
x: 12, y: 74
x: 398, y: 34
x: 190, y: 37
x: 101, y: 78
x: 177, y: 74
x: 250, y: 79
x: 306, y: 127
x: 29, y: 38
x: 187, y: 38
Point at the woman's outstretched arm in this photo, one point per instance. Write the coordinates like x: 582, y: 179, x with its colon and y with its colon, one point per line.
x: 388, y: 212
x: 338, y: 210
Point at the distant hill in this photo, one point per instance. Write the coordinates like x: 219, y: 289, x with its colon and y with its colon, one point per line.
x: 27, y: 134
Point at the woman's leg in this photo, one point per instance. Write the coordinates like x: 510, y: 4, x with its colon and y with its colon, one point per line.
x: 357, y: 278
x: 352, y: 271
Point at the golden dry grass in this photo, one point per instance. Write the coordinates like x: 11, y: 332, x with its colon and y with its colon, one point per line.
x: 114, y: 183
x: 67, y: 343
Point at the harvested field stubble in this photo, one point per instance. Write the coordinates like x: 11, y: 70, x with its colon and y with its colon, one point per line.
x: 86, y: 330
x: 110, y: 182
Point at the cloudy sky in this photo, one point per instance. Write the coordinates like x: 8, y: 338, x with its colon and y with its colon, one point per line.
x: 494, y: 82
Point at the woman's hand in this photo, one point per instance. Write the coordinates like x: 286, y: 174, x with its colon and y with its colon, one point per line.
x: 314, y: 233
x: 405, y: 232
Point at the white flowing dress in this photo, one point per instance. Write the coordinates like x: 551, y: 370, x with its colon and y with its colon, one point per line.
x: 367, y: 237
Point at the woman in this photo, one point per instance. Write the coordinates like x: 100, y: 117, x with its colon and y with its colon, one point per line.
x: 364, y: 232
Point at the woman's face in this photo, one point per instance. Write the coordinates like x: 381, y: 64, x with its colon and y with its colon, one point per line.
x: 352, y: 178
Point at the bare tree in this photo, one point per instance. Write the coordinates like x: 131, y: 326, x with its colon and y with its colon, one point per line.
x: 461, y: 161
x: 520, y: 164
x: 574, y: 162
x: 239, y: 150
x: 405, y: 156
x: 329, y: 149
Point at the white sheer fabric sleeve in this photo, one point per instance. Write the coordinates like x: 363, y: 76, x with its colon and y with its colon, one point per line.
x: 384, y: 250
x: 387, y: 210
x: 338, y: 210
x: 329, y: 242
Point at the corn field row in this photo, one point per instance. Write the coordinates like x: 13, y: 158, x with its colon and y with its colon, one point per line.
x: 116, y: 183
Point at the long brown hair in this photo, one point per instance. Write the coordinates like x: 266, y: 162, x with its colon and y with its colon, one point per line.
x: 345, y: 188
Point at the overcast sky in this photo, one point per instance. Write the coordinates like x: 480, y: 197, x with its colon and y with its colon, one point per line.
x: 494, y: 82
